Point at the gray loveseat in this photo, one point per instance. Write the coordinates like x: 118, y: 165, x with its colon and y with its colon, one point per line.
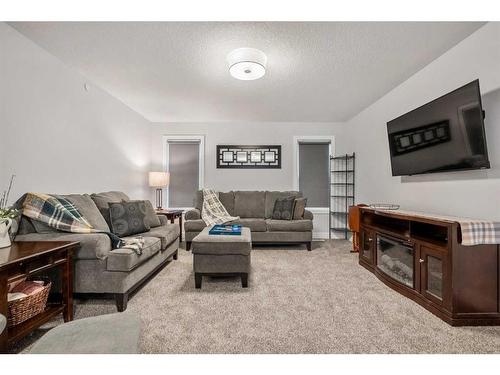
x: 97, y: 269
x: 255, y: 209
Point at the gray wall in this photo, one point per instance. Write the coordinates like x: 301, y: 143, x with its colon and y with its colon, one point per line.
x: 468, y: 193
x: 59, y: 138
x: 248, y: 133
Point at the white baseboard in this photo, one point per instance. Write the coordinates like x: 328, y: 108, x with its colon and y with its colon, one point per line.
x: 320, y: 236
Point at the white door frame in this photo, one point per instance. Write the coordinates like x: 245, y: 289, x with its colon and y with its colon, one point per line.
x: 330, y: 139
x: 201, y: 157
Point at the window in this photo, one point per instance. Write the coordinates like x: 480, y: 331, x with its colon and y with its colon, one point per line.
x: 184, y: 161
x: 314, y: 173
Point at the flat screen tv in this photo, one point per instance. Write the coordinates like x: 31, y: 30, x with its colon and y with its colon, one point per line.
x: 446, y: 134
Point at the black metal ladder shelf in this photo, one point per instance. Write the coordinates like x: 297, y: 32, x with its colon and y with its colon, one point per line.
x: 342, y: 169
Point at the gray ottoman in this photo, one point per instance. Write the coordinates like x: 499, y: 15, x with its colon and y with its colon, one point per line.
x: 104, y: 334
x: 221, y: 255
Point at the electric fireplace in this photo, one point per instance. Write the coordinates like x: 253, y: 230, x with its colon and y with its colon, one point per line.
x: 395, y: 259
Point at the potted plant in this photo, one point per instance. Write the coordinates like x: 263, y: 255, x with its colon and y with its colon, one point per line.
x: 7, y: 215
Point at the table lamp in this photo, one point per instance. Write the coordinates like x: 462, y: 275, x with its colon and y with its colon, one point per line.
x: 159, y: 180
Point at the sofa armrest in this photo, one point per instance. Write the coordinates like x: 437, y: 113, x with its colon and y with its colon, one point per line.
x: 193, y: 214
x: 308, y: 215
x: 92, y: 245
x: 163, y: 219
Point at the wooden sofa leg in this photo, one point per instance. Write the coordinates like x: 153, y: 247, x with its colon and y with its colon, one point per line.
x: 197, y: 280
x: 121, y: 301
x: 309, y: 246
x: 188, y: 245
x: 176, y: 254
x: 244, y: 280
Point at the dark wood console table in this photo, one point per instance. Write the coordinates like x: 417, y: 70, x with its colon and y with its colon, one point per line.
x: 24, y: 259
x: 423, y: 259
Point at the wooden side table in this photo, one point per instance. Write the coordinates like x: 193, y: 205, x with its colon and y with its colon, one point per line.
x: 24, y: 259
x: 172, y: 215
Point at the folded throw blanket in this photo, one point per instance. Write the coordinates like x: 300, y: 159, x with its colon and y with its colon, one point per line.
x: 59, y: 213
x: 213, y: 212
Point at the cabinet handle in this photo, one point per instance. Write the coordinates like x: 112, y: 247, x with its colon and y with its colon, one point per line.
x: 370, y: 239
x: 421, y: 260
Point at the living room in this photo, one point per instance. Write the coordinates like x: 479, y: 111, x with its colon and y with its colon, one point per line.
x: 250, y: 186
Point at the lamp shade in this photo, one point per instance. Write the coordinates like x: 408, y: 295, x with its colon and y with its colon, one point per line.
x: 159, y: 179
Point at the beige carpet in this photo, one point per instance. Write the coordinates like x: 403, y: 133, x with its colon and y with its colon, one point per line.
x: 297, y: 302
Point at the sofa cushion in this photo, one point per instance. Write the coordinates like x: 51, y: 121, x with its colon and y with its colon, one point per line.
x: 103, y: 199
x: 92, y: 245
x: 193, y: 214
x: 128, y: 218
x: 289, y: 225
x: 255, y: 224
x: 25, y: 226
x: 271, y: 197
x: 249, y: 204
x: 227, y: 200
x: 299, y: 208
x: 126, y: 260
x: 151, y: 218
x: 283, y: 208
x: 41, y: 227
x: 88, y: 209
x: 166, y: 233
x: 194, y: 225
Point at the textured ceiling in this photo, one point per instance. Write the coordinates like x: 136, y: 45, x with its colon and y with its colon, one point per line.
x: 170, y: 71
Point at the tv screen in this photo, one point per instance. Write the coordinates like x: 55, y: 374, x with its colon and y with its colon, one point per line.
x: 446, y: 134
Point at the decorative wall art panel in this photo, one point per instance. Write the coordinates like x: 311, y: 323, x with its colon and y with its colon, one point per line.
x: 231, y: 156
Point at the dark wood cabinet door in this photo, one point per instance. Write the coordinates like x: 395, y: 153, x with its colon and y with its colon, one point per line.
x: 433, y: 274
x: 367, y: 246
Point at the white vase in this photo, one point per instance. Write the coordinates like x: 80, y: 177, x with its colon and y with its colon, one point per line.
x: 4, y: 233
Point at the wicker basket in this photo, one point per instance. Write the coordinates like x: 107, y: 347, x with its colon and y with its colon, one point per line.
x: 25, y: 308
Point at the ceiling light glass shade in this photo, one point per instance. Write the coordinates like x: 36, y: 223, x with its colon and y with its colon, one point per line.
x: 247, y: 63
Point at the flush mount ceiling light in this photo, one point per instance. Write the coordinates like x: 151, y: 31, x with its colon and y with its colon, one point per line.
x: 247, y: 63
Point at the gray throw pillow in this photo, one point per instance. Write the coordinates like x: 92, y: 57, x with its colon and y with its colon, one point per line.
x: 283, y: 208
x: 128, y: 218
x: 299, y: 208
x: 151, y: 217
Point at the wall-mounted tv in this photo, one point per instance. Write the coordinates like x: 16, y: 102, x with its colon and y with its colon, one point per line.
x: 446, y: 134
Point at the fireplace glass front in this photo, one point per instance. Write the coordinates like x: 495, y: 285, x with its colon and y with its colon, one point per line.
x: 395, y: 259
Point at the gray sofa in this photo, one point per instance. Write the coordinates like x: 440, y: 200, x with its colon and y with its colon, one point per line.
x: 255, y: 209
x: 97, y: 269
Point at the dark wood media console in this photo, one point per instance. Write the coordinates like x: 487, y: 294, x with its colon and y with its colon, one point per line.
x: 423, y: 259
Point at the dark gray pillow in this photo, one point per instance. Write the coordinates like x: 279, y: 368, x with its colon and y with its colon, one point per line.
x: 151, y: 218
x: 283, y: 208
x: 102, y: 201
x: 128, y: 218
x: 299, y: 208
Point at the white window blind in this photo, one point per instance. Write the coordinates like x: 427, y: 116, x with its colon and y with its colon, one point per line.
x: 184, y: 168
